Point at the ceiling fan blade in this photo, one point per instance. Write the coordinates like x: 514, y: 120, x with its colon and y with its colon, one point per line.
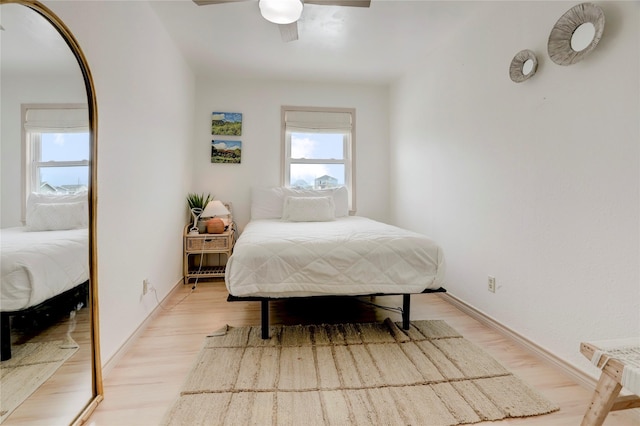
x: 208, y: 2
x: 350, y: 3
x: 289, y: 32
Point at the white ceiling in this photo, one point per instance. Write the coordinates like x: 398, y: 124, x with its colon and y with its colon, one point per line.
x: 29, y: 44
x: 337, y: 44
x: 350, y: 44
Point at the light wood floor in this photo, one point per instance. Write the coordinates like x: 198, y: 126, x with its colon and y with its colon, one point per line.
x: 61, y: 398
x: 147, y: 379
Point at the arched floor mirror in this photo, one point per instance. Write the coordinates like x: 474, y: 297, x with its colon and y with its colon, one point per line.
x: 48, y: 178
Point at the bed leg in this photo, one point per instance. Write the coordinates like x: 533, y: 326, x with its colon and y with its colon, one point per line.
x: 5, y: 337
x: 265, y: 318
x: 406, y: 311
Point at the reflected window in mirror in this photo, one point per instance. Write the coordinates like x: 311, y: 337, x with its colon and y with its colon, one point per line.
x: 56, y: 146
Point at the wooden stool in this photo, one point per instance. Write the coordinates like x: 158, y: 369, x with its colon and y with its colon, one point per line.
x: 605, y: 398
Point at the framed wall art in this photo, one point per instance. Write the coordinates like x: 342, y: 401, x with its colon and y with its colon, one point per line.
x: 226, y: 151
x: 226, y: 123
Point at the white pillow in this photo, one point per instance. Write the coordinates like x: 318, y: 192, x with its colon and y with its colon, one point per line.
x: 38, y: 198
x: 57, y: 216
x: 266, y: 203
x: 340, y: 197
x: 308, y: 209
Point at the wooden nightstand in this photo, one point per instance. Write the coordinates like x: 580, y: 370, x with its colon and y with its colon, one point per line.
x: 206, y: 255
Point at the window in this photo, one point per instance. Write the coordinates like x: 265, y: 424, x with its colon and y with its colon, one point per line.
x: 56, y: 148
x: 319, y: 148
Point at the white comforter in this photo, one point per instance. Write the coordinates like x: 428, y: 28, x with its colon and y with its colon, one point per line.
x: 348, y: 256
x: 39, y: 265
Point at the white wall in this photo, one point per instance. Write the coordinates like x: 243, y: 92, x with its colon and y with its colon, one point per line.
x: 17, y: 90
x: 534, y: 183
x: 154, y: 144
x: 145, y: 94
x: 260, y: 102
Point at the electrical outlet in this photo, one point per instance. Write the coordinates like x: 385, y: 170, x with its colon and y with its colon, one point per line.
x: 492, y: 284
x: 145, y: 286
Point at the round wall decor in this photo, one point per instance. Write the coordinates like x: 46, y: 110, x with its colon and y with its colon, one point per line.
x: 523, y: 66
x: 576, y: 34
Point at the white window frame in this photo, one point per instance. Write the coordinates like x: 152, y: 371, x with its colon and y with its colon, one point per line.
x: 31, y: 149
x: 349, y: 145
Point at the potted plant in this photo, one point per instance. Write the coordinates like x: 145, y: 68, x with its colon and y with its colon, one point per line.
x: 198, y: 201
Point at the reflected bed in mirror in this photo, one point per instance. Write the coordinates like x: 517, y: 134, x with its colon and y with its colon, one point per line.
x: 50, y: 351
x: 45, y: 264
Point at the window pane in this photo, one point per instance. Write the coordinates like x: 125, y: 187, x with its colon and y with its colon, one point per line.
x: 65, y: 146
x: 317, y: 146
x: 317, y: 176
x: 64, y: 179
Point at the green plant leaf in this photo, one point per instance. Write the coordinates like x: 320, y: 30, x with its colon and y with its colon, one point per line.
x: 198, y: 200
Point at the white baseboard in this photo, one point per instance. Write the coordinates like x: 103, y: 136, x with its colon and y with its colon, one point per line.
x: 108, y: 366
x: 579, y: 376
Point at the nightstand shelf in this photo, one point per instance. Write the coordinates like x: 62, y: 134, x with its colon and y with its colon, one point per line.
x: 206, y: 271
x: 206, y: 255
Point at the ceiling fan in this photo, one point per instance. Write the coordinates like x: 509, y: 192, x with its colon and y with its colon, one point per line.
x: 286, y: 13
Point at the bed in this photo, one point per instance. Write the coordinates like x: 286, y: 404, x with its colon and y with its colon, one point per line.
x: 303, y: 243
x: 45, y: 262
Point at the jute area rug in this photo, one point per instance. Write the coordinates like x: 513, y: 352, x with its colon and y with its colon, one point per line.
x: 349, y: 374
x: 30, y: 366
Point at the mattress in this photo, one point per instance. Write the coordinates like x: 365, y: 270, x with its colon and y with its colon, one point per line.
x: 36, y: 266
x: 347, y: 256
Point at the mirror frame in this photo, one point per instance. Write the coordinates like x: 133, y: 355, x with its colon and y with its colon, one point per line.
x: 559, y: 44
x: 96, y: 366
x: 516, y: 68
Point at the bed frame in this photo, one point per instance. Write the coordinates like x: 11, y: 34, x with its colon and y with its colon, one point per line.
x: 264, y: 305
x: 67, y: 300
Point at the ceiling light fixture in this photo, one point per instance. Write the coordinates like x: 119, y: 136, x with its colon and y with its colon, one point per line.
x: 281, y: 11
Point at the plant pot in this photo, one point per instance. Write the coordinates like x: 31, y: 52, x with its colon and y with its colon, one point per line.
x: 202, y: 226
